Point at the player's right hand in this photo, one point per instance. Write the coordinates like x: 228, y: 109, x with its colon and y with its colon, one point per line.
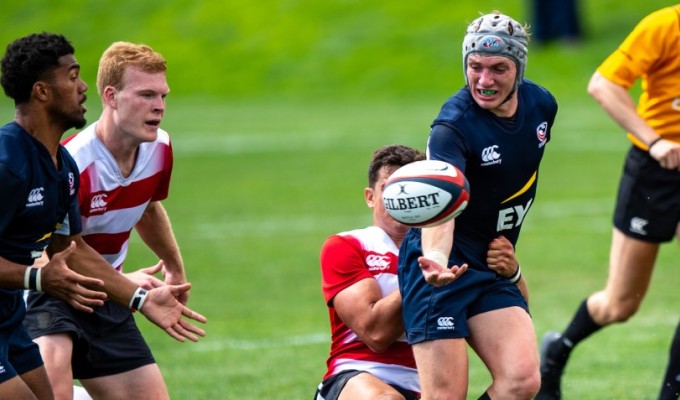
x: 438, y: 275
x: 81, y: 292
x: 667, y: 153
x: 163, y: 309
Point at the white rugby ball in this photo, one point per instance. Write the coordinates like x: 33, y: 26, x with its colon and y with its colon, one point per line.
x: 426, y: 193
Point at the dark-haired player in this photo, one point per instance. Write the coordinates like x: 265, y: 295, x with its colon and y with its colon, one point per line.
x: 369, y: 357
x: 457, y: 288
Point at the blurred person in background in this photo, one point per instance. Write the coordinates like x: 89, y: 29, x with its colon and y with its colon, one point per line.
x: 555, y: 20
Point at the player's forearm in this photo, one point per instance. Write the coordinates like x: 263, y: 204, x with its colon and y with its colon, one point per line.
x: 11, y: 274
x: 618, y: 103
x: 437, y: 242
x: 86, y: 261
x: 386, y: 324
x: 155, y: 230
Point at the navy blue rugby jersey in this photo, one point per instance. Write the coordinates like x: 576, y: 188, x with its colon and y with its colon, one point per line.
x: 36, y: 197
x: 500, y: 158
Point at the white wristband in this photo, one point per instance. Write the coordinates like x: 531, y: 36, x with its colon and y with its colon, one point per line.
x: 32, y: 279
x: 517, y: 276
x: 137, y: 300
x: 437, y: 256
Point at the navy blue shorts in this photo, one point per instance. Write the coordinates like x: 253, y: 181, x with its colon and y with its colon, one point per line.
x: 18, y: 354
x: 648, y: 202
x: 105, y: 342
x: 442, y: 312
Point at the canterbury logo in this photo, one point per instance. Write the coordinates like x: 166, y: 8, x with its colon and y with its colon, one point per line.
x: 98, y: 202
x: 35, y: 197
x: 490, y: 156
x: 446, y: 323
x: 637, y: 225
x: 377, y: 262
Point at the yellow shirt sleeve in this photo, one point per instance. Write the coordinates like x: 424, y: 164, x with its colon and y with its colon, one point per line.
x: 651, y: 52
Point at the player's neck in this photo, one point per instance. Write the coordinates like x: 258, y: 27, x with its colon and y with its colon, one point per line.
x: 39, y: 126
x: 124, y: 152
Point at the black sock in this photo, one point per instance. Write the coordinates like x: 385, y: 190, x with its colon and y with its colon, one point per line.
x: 484, y: 396
x: 580, y: 327
x: 671, y: 381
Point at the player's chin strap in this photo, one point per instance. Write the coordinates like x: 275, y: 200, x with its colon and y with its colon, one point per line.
x: 509, y: 96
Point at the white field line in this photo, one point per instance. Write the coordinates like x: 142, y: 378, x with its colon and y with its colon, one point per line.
x: 259, y: 344
x: 239, y: 143
x: 248, y: 144
x: 592, y: 215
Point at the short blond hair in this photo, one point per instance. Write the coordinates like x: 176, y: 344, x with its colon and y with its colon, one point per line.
x: 121, y: 55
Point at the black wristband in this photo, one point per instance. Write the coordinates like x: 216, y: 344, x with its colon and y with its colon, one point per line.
x: 653, y: 142
x: 33, y: 279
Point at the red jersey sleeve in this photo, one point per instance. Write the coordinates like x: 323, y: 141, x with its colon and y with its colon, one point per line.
x: 342, y: 265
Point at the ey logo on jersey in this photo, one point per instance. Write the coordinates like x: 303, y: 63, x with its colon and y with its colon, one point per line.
x: 98, y: 203
x: 35, y: 197
x: 490, y: 156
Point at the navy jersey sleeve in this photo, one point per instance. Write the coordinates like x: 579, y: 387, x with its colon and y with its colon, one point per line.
x: 72, y: 224
x: 447, y: 144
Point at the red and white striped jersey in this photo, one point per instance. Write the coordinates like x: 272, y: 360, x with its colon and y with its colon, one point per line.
x: 347, y: 258
x: 110, y: 204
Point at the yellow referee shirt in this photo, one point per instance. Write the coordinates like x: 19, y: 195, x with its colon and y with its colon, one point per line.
x: 652, y: 52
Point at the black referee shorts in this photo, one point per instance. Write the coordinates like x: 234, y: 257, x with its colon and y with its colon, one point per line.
x: 648, y: 202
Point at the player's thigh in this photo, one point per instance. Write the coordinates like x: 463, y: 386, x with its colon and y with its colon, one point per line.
x: 630, y: 266
x: 38, y: 382
x: 56, y: 351
x: 128, y: 385
x: 368, y: 387
x: 442, y: 367
x: 505, y: 340
x: 16, y: 388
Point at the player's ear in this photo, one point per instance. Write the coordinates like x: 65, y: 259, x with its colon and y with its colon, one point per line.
x: 369, y: 196
x: 109, y: 96
x: 40, y: 90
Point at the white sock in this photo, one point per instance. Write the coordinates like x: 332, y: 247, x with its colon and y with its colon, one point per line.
x: 79, y: 393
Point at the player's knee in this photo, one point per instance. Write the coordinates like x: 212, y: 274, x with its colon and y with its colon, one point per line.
x: 520, y: 385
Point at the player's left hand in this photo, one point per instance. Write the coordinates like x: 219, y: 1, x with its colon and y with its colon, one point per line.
x: 144, y: 277
x: 176, y: 276
x: 163, y: 309
x: 501, y: 257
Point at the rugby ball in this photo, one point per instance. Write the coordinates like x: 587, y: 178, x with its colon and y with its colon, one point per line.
x: 426, y: 193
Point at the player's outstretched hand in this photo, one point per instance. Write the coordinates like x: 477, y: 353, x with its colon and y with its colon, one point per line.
x: 163, y: 309
x: 438, y: 275
x: 81, y: 292
x: 144, y: 277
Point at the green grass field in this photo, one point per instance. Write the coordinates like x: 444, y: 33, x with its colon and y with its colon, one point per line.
x: 274, y: 112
